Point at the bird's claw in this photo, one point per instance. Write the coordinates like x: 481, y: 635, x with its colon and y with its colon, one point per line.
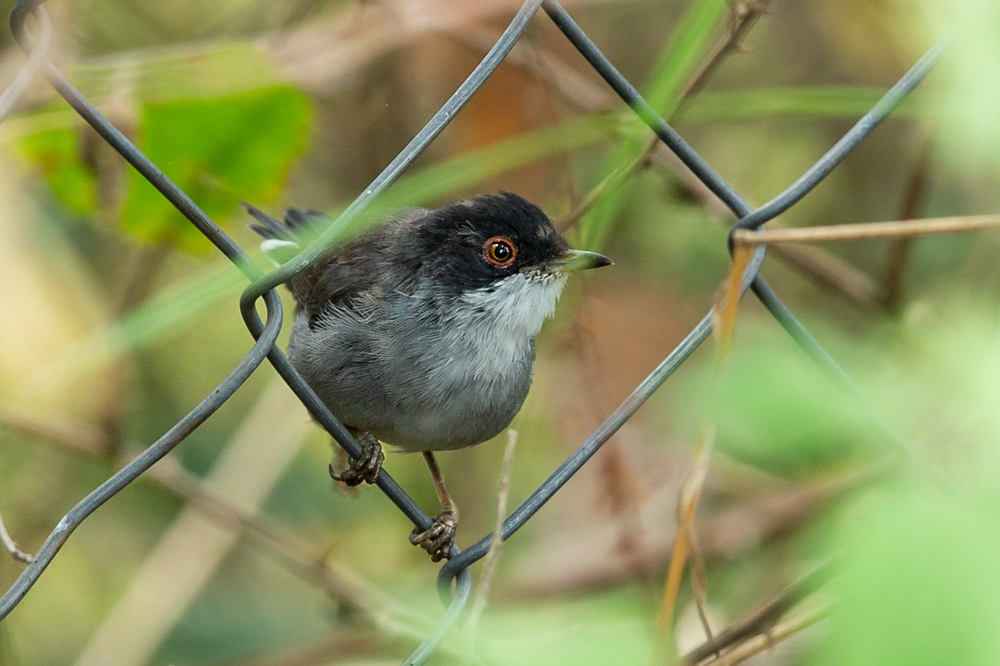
x: 438, y: 539
x: 364, y: 469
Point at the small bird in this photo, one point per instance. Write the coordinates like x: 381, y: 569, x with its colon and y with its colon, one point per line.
x: 420, y: 333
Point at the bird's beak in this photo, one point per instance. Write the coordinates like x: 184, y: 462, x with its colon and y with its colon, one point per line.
x: 578, y: 260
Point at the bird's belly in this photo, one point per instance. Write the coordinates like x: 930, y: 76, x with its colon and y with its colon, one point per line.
x: 469, y: 415
x: 413, y: 394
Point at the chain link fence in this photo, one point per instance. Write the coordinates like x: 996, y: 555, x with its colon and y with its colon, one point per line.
x: 455, y: 582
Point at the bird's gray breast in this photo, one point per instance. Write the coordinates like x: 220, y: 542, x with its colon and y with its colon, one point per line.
x: 425, y: 373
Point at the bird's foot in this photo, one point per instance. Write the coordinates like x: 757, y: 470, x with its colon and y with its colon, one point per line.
x: 438, y: 539
x: 366, y: 468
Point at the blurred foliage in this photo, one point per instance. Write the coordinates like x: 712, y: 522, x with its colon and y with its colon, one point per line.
x: 920, y: 585
x: 681, y: 54
x: 113, y: 328
x: 56, y: 152
x: 779, y: 412
x: 244, y: 144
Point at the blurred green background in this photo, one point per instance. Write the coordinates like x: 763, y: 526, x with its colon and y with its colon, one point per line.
x: 118, y: 317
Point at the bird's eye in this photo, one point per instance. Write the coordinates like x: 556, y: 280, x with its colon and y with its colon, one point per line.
x: 499, y: 251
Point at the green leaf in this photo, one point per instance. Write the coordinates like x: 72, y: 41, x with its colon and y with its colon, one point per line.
x: 56, y: 153
x: 218, y: 151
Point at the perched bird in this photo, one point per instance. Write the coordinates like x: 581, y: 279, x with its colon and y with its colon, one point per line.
x: 420, y: 333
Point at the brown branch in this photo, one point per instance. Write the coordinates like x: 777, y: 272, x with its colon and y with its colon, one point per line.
x: 722, y: 534
x: 899, y: 250
x: 895, y: 269
x: 79, y: 438
x: 699, y: 582
x: 743, y: 17
x: 868, y: 230
x: 825, y: 268
x: 762, y: 620
x: 609, y: 182
x: 763, y: 642
x: 829, y: 270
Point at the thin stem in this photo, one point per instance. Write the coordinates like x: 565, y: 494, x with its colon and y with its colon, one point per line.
x: 11, y: 546
x: 699, y: 581
x: 828, y: 270
x: 760, y: 643
x: 303, y: 558
x: 899, y: 252
x: 694, y: 479
x: 868, y: 230
x: 492, y: 559
x: 764, y: 618
x: 578, y: 91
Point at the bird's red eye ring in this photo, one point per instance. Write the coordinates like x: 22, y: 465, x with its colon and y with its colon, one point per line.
x: 499, y: 251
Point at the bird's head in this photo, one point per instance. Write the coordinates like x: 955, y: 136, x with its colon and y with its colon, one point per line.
x: 491, y: 238
x: 501, y: 255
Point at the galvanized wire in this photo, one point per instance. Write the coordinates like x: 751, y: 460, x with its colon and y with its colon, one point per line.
x: 36, y: 58
x: 262, y: 286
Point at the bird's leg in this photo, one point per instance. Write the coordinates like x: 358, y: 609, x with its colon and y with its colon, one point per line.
x: 440, y: 536
x: 366, y: 468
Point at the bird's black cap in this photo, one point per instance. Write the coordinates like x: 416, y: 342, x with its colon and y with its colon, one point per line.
x: 463, y: 238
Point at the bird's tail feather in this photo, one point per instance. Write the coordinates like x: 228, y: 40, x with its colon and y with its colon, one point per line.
x: 282, y: 241
x: 268, y: 227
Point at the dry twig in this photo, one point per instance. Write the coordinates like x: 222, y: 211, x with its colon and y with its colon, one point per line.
x: 763, y: 642
x: 868, y: 230
x: 899, y: 251
x: 764, y: 618
x: 77, y: 437
x: 11, y: 546
x: 481, y: 595
x: 580, y: 93
x: 829, y: 270
x: 699, y: 580
x: 687, y: 503
x: 246, y: 470
x: 745, y: 13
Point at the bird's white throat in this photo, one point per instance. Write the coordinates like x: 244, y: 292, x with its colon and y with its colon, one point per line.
x: 490, y: 331
x: 516, y: 306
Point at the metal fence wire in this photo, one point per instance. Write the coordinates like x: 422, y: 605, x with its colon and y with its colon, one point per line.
x: 454, y: 580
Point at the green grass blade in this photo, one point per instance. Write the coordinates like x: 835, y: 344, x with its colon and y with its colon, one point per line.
x: 681, y: 55
x: 807, y: 102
